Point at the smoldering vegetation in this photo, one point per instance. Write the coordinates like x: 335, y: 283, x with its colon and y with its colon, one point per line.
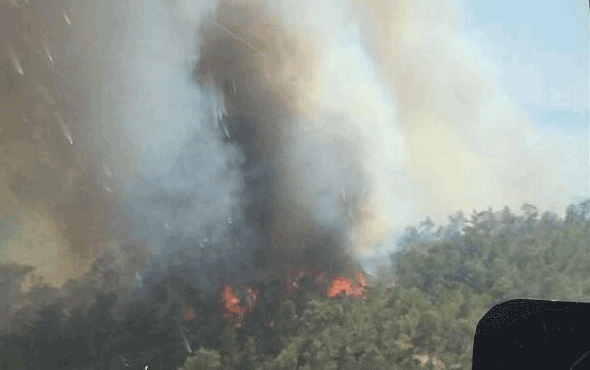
x: 152, y: 151
x: 443, y: 282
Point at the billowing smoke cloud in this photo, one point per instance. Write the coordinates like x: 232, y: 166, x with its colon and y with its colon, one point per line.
x: 267, y: 130
x: 57, y: 212
x: 467, y: 144
x: 240, y: 126
x: 318, y: 129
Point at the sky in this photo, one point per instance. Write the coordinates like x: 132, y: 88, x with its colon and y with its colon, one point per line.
x: 544, y: 53
x: 542, y: 49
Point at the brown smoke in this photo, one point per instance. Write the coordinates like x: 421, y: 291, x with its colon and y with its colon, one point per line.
x: 357, y: 117
x: 467, y: 143
x: 57, y: 215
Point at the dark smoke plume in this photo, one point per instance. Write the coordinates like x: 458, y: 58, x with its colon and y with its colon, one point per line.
x: 300, y: 156
x: 233, y: 136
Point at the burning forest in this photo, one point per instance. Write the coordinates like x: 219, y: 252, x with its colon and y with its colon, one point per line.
x: 198, y: 182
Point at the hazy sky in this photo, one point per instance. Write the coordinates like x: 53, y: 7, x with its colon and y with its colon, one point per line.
x: 541, y: 53
x: 542, y: 49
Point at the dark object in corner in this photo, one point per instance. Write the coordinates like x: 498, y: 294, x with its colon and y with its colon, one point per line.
x: 533, y: 334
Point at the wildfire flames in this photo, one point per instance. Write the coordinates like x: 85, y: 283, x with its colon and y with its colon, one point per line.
x: 341, y: 285
x: 235, y: 310
x: 231, y: 307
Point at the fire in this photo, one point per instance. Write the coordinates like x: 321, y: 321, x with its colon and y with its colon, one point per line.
x: 338, y: 285
x: 231, y: 309
x: 230, y: 305
x: 341, y: 285
x: 235, y: 310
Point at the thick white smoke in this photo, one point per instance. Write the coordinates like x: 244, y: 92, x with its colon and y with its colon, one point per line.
x: 289, y: 126
x: 387, y: 102
x: 467, y: 144
x: 323, y: 130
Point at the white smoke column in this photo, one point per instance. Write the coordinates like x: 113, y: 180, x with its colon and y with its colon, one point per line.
x: 149, y: 124
x: 467, y: 144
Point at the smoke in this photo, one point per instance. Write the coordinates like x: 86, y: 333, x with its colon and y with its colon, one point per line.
x: 56, y: 213
x: 417, y: 115
x: 322, y: 131
x: 467, y: 143
x: 232, y: 127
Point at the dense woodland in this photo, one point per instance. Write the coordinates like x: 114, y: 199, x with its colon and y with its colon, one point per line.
x: 446, y: 279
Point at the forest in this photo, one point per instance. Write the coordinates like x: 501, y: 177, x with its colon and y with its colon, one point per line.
x: 446, y: 278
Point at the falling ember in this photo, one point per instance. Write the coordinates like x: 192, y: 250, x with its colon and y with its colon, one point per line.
x: 138, y: 278
x: 64, y: 127
x: 46, y: 50
x: 225, y: 131
x: 186, y: 344
x: 67, y: 19
x: 15, y: 62
x: 222, y: 115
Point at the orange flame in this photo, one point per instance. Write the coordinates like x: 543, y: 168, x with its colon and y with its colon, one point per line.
x: 338, y: 285
x: 341, y: 285
x: 231, y: 309
x: 230, y: 305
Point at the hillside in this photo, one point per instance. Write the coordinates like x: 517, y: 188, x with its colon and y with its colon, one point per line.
x: 445, y: 282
